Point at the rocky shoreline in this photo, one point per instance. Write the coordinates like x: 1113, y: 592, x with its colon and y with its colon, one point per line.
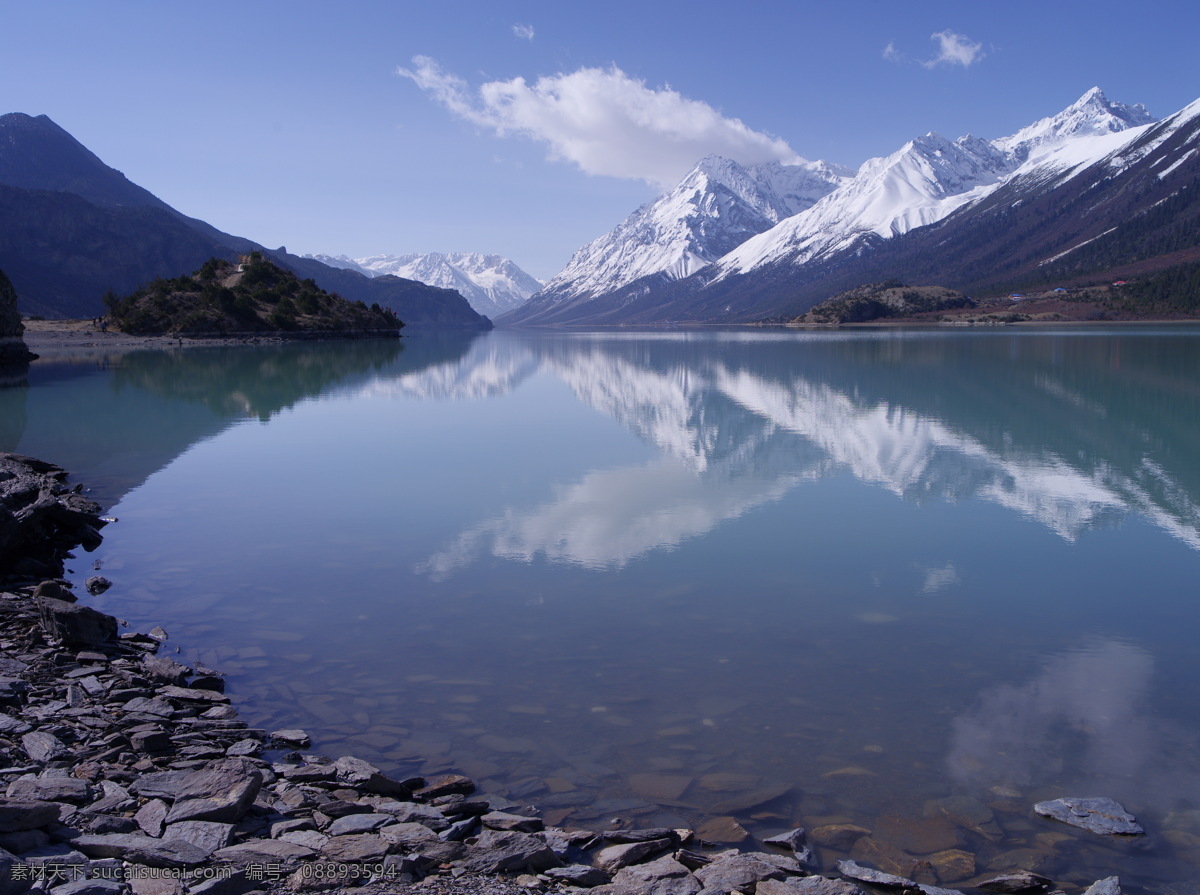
x: 128, y: 772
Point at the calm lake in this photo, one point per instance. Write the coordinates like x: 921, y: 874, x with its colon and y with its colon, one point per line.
x: 913, y: 581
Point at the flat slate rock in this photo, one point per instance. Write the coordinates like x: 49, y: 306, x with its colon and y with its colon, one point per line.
x: 204, y: 834
x: 50, y: 789
x: 578, y: 875
x: 1109, y: 886
x: 738, y: 872
x: 222, y: 792
x: 43, y: 747
x: 262, y: 851
x: 139, y: 849
x: 664, y: 876
x: 17, y: 817
x: 1017, y: 882
x: 1097, y: 815
x: 614, y: 857
x: 807, y: 885
x: 358, y: 823
x: 496, y: 851
x: 857, y: 871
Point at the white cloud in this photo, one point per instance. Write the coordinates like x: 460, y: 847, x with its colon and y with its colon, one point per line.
x: 955, y: 49
x: 525, y: 32
x: 603, y: 121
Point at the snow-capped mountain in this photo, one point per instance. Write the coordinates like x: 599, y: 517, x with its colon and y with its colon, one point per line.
x: 971, y: 214
x: 492, y: 285
x: 716, y: 207
x: 925, y: 181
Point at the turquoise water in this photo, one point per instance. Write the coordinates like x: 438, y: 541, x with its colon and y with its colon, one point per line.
x: 642, y: 574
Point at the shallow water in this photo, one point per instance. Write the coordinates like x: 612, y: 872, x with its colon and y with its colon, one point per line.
x: 671, y: 574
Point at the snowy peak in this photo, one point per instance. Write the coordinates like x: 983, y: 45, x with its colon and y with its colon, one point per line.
x: 1091, y: 115
x: 716, y: 207
x: 923, y: 182
x: 491, y: 284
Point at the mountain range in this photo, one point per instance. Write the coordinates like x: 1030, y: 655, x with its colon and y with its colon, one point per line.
x: 72, y: 228
x: 1097, y: 190
x: 491, y: 284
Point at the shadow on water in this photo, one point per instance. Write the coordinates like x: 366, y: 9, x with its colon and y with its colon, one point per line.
x: 114, y: 418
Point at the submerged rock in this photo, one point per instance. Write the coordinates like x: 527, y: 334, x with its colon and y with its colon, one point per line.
x: 1097, y: 815
x: 1020, y: 881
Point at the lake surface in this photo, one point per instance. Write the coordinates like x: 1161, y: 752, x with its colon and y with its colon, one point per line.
x: 903, y: 575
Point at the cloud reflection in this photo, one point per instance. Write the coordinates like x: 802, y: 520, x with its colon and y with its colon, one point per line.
x: 1087, y: 707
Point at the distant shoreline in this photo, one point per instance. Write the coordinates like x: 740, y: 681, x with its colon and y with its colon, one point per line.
x: 47, y: 336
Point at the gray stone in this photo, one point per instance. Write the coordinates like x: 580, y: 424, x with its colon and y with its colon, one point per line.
x: 16, y: 816
x: 308, y: 838
x: 579, y: 875
x: 291, y: 737
x: 159, y: 784
x: 355, y: 848
x: 263, y: 851
x: 641, y: 835
x: 140, y: 849
x: 151, y: 741
x: 1109, y: 886
x: 793, y: 839
x: 807, y: 885
x: 459, y: 830
x: 204, y: 834
x: 42, y: 747
x: 108, y: 823
x: 410, y: 836
x: 97, y: 584
x: 223, y: 792
x: 75, y: 625
x: 738, y: 872
x: 1097, y: 815
x: 50, y: 788
x: 500, y: 820
x: 358, y: 823
x: 11, y: 726
x: 665, y: 876
x: 160, y: 668
x: 414, y: 812
x: 190, y: 694
x: 144, y: 705
x: 857, y: 871
x: 151, y: 816
x: 445, y: 785
x: 614, y: 857
x: 1016, y: 882
x: 56, y: 853
x: 365, y: 777
x: 497, y: 851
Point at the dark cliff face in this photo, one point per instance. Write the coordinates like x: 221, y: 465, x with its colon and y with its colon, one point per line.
x: 12, y: 347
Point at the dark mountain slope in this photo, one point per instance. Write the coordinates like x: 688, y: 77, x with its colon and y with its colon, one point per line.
x: 72, y: 228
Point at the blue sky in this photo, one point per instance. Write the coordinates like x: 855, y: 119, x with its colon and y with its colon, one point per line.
x: 289, y: 123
